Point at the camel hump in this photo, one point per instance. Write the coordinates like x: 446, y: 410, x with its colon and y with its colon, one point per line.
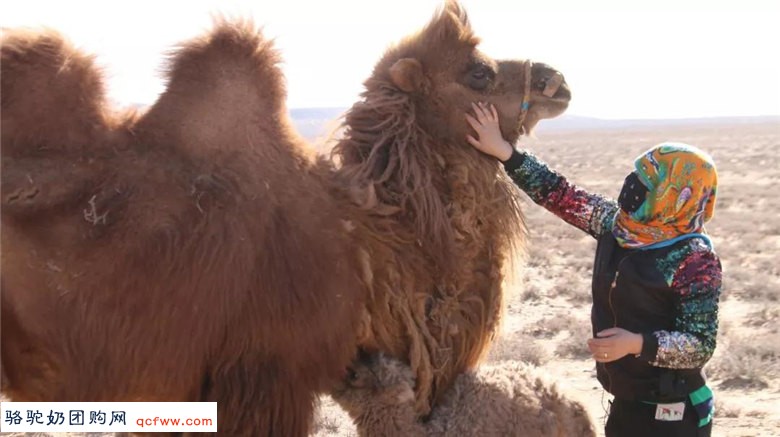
x: 52, y: 107
x: 225, y: 90
x: 52, y: 94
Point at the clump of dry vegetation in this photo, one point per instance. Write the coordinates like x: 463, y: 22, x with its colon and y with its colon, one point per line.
x: 575, y: 345
x: 747, y: 362
x: 520, y: 347
x: 767, y: 318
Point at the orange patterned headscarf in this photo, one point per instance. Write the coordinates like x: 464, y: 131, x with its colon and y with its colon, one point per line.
x: 682, y: 183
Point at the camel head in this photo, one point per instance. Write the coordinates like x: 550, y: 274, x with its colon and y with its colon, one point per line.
x: 374, y: 381
x: 443, y: 72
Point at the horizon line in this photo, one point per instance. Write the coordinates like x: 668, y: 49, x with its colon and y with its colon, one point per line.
x: 592, y: 117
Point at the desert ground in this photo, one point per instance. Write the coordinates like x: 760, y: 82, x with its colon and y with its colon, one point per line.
x: 548, y: 298
x: 548, y: 293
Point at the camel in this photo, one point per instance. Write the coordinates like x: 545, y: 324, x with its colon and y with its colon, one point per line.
x: 173, y: 255
x: 501, y: 399
x: 434, y: 221
x: 201, y: 251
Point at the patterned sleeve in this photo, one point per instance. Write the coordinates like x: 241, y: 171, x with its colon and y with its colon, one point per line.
x: 588, y: 212
x: 697, y: 282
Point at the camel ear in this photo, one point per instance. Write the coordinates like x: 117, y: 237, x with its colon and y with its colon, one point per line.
x: 407, y: 74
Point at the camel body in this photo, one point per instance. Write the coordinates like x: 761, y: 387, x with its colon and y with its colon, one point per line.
x: 200, y: 251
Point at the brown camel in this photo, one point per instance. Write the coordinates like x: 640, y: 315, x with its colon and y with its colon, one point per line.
x: 201, y: 252
x: 188, y: 254
x: 433, y: 220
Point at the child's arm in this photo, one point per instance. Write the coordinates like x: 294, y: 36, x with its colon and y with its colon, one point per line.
x: 697, y: 282
x: 591, y: 213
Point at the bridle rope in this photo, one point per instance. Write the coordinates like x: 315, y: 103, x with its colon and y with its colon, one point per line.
x: 526, y: 91
x: 550, y: 88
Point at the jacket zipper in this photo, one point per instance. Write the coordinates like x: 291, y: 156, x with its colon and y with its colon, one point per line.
x: 612, y: 287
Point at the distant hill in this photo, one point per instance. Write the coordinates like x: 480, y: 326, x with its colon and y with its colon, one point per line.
x: 575, y: 122
x: 313, y: 122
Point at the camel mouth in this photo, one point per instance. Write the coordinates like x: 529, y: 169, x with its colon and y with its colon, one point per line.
x: 562, y: 95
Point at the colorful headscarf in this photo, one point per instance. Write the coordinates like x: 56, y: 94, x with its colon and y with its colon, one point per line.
x: 681, y: 182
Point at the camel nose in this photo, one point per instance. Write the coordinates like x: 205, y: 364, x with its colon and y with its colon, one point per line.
x: 555, y: 87
x: 552, y: 84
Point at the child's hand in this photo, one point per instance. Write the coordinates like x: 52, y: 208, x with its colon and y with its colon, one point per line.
x: 613, y: 344
x: 489, y: 139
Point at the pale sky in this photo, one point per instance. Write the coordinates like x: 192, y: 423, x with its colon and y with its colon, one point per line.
x: 622, y: 59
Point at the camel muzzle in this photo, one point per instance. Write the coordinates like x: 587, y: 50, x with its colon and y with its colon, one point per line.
x: 552, y: 84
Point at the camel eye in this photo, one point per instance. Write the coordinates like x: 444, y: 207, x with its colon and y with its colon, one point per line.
x: 540, y: 84
x: 479, y: 77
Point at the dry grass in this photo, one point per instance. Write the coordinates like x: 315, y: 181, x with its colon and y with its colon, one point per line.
x: 520, y: 347
x: 747, y: 361
x: 727, y: 411
x: 574, y: 346
x: 766, y: 318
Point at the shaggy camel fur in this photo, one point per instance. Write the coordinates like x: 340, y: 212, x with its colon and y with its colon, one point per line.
x: 172, y: 256
x: 506, y: 399
x: 201, y: 252
x: 434, y: 220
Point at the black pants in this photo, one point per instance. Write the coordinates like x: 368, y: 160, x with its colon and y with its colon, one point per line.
x: 637, y: 419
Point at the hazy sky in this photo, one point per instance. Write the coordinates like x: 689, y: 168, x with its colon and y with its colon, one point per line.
x: 623, y: 59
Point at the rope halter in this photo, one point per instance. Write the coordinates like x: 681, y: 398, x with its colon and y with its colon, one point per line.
x: 526, y: 91
x: 551, y: 86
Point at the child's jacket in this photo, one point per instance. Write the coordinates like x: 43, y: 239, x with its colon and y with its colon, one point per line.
x: 669, y: 295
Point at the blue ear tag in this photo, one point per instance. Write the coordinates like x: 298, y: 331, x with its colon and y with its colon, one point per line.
x: 524, y: 106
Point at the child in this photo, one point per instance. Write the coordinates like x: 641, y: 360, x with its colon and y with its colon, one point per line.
x: 656, y: 279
